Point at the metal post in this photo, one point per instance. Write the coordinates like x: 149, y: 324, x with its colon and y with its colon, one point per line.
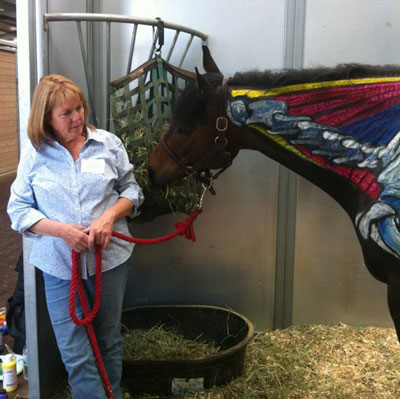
x: 287, y: 188
x: 30, y: 47
x: 27, y: 76
x: 189, y: 42
x: 108, y: 72
x: 89, y: 81
x: 95, y: 66
x: 131, y: 48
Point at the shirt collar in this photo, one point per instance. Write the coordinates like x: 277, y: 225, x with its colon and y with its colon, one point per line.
x: 93, y: 135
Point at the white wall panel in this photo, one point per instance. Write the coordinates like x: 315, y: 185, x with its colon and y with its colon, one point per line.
x: 332, y: 283
x: 64, y: 52
x: 243, y: 34
x: 232, y: 263
x: 340, y: 31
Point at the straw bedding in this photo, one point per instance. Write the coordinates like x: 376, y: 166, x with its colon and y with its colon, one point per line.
x: 312, y: 362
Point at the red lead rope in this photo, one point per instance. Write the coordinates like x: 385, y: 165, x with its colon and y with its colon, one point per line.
x: 184, y: 228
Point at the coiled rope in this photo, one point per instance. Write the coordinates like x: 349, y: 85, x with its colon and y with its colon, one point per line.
x: 184, y: 228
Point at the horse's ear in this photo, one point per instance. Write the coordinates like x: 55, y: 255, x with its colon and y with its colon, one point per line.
x: 204, y: 87
x: 208, y: 63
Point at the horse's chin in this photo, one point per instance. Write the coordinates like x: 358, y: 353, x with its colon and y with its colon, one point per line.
x: 163, y: 179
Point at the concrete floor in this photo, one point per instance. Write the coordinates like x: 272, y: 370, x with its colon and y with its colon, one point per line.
x: 10, y: 244
x: 10, y: 248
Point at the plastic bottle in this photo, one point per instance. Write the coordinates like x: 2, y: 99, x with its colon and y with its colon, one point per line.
x: 3, y: 394
x: 25, y: 357
x: 10, y: 382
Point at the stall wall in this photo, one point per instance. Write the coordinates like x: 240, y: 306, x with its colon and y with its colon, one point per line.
x: 232, y: 262
x: 332, y: 283
x: 64, y: 54
x: 234, y: 259
x: 8, y: 113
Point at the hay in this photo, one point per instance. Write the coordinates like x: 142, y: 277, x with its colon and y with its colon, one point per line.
x: 139, y: 140
x: 315, y: 362
x: 141, y: 108
x: 307, y: 362
x: 161, y: 343
x: 158, y: 201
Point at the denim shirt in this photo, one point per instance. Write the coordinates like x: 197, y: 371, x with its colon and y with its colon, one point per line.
x: 50, y: 184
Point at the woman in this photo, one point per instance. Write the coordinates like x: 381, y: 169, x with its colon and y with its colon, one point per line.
x: 74, y: 186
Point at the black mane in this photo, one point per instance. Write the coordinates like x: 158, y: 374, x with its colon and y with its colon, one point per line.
x: 270, y: 79
x: 189, y: 110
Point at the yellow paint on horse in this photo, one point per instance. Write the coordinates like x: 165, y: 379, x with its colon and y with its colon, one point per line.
x: 284, y: 143
x: 303, y: 87
x: 310, y: 86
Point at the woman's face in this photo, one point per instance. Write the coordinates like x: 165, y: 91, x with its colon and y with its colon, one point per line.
x: 67, y: 121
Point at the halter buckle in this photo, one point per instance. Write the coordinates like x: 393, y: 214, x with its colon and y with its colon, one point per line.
x: 218, y: 138
x: 221, y: 124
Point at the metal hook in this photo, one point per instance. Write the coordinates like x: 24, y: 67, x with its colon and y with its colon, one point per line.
x: 205, y: 188
x: 160, y: 34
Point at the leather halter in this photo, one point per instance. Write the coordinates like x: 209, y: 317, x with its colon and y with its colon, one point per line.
x: 196, y: 169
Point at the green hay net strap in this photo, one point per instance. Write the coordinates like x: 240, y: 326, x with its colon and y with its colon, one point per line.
x: 141, y: 106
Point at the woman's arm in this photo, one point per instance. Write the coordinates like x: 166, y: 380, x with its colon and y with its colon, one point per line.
x: 72, y: 234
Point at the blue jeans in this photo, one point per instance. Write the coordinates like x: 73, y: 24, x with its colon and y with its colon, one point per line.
x: 73, y: 341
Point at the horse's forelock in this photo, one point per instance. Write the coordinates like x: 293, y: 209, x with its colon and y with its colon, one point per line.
x: 189, y: 110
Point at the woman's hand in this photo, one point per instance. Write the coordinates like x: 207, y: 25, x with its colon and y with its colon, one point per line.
x: 75, y: 237
x: 100, y: 230
x: 73, y: 234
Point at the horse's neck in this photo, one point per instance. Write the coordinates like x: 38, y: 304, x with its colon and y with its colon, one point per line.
x: 341, y: 135
x: 342, y: 190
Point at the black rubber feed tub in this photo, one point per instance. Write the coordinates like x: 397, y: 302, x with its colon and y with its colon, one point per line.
x: 222, y: 327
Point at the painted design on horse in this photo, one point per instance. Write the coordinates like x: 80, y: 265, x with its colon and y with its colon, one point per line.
x: 336, y: 127
x: 350, y: 127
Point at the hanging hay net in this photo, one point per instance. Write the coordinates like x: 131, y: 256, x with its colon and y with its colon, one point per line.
x: 141, y: 109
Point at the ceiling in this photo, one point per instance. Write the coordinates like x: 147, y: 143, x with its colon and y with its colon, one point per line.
x: 8, y: 26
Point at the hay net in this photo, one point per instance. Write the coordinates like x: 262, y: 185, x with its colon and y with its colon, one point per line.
x: 141, y: 110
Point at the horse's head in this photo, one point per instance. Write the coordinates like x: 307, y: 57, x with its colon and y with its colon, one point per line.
x: 195, y: 141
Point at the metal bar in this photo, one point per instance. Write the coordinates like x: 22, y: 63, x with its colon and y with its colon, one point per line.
x: 27, y: 76
x: 153, y: 45
x: 172, y: 47
x: 108, y: 18
x: 8, y: 43
x: 186, y: 50
x: 85, y: 66
x: 9, y: 49
x: 120, y: 18
x: 294, y: 34
x: 132, y: 48
x: 287, y: 189
x: 95, y: 63
x: 108, y: 71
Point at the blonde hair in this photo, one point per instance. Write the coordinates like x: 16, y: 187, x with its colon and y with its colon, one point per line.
x: 51, y: 91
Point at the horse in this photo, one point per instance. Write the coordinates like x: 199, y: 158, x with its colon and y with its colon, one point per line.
x: 337, y: 127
